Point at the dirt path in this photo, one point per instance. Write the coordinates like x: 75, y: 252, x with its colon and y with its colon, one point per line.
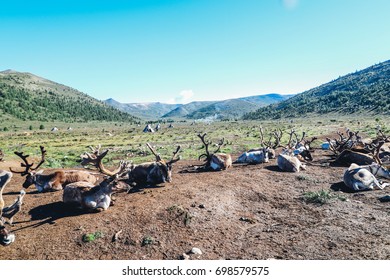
x: 247, y: 212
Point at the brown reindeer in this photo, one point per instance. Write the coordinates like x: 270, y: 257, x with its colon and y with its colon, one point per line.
x: 214, y: 161
x: 51, y: 182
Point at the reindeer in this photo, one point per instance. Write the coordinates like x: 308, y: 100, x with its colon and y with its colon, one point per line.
x: 291, y: 162
x: 97, y: 198
x: 51, y: 182
x: 150, y: 173
x: 302, y: 146
x: 255, y: 156
x: 153, y: 173
x: 215, y: 161
x: 369, y: 154
x: 360, y: 178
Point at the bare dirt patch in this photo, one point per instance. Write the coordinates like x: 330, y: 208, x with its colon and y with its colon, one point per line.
x: 246, y: 212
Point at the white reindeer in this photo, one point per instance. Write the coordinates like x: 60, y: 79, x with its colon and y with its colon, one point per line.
x: 360, y: 178
x: 97, y: 198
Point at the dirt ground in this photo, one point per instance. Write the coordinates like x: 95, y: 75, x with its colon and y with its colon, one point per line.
x: 246, y: 212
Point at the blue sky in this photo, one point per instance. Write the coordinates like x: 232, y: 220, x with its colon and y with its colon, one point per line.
x: 180, y: 51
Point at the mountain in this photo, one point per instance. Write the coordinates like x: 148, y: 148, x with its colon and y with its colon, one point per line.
x: 230, y: 108
x: 366, y: 91
x: 148, y: 111
x: 28, y: 97
x: 184, y: 110
x: 236, y: 108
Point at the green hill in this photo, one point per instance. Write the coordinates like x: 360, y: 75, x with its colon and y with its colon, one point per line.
x: 25, y: 96
x: 366, y: 91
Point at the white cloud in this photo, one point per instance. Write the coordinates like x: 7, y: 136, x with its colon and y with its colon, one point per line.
x: 185, y: 96
x: 290, y: 4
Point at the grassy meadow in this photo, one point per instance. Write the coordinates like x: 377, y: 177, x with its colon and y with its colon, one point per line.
x: 127, y: 141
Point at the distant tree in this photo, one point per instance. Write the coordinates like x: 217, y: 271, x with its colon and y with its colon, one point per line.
x: 30, y: 127
x: 41, y: 126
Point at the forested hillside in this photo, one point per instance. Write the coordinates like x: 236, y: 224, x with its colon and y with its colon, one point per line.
x: 28, y: 97
x: 366, y: 91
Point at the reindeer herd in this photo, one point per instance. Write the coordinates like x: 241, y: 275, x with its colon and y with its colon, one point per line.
x: 365, y: 159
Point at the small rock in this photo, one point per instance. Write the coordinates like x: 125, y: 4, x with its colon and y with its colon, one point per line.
x: 385, y: 198
x: 196, y: 251
x: 247, y: 220
x: 202, y: 206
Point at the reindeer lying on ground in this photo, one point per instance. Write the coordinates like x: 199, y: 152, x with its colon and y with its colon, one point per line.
x: 97, y: 198
x: 51, y: 182
x: 263, y: 154
x: 354, y: 149
x: 150, y: 173
x: 153, y: 173
x: 292, y: 161
x: 214, y: 161
x: 360, y: 178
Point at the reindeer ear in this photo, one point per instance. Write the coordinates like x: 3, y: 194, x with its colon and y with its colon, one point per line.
x: 37, y: 172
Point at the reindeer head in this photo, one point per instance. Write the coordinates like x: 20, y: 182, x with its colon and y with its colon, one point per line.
x: 29, y: 171
x: 162, y: 172
x: 116, y: 181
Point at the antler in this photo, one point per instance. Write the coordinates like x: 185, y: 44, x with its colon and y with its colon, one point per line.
x: 90, y: 158
x: 43, y: 154
x: 220, y: 144
x: 382, y: 136
x: 158, y: 157
x: 307, y: 143
x: 374, y: 149
x: 26, y: 165
x: 206, y: 144
x: 99, y: 165
x: 303, y: 137
x: 292, y: 132
x: 261, y: 137
x: 174, y: 159
x: 278, y: 137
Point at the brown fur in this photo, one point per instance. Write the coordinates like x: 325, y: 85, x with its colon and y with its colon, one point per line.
x: 59, y: 179
x: 224, y: 161
x: 347, y: 157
